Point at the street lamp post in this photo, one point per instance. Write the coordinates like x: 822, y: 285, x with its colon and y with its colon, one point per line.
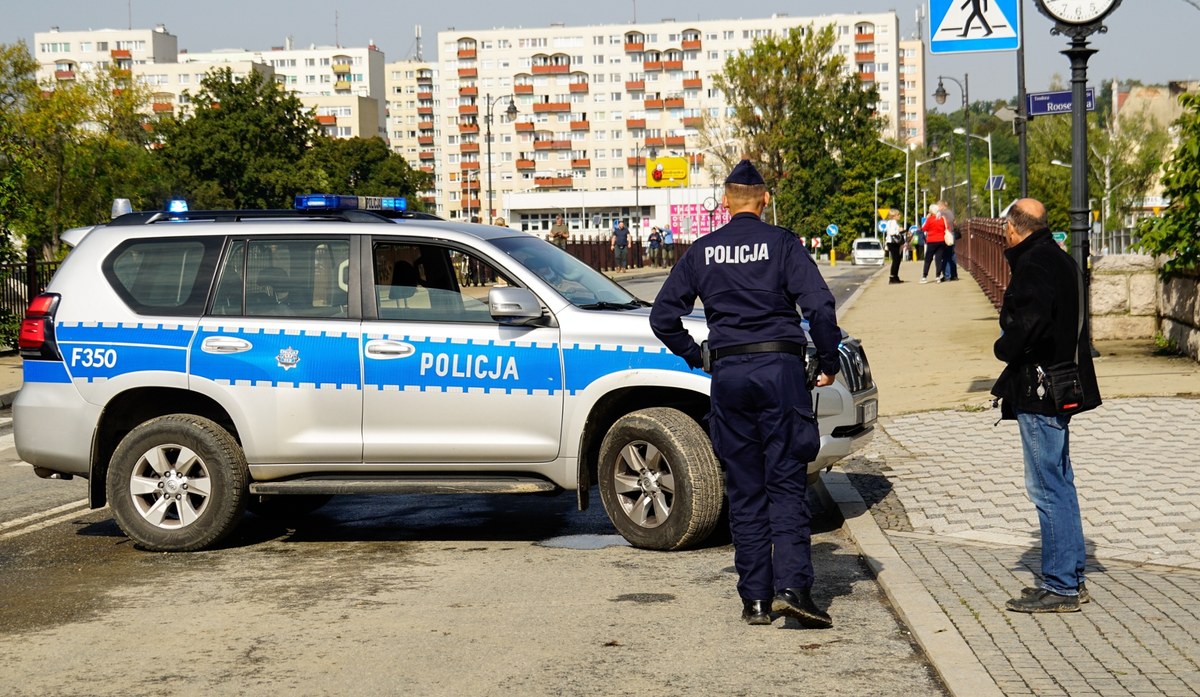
x: 944, y: 189
x: 906, y: 152
x: 940, y: 96
x: 637, y: 185
x: 988, y: 140
x: 917, y: 180
x: 885, y: 179
x: 511, y: 111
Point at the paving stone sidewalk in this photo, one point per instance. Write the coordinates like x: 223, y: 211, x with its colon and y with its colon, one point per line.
x: 947, y: 488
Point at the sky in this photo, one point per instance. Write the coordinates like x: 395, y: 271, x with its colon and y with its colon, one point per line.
x: 1148, y: 40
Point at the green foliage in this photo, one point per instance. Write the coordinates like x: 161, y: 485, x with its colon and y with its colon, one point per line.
x: 1176, y: 233
x: 244, y: 145
x: 364, y: 167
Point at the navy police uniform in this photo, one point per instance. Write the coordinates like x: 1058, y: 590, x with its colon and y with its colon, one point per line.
x: 750, y: 276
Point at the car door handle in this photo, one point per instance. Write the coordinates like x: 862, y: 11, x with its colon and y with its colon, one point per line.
x: 225, y: 344
x: 386, y: 349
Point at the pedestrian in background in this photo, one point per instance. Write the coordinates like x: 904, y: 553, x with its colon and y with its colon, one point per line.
x: 655, y: 243
x: 950, y: 251
x: 894, y: 238
x: 559, y: 233
x: 1041, y: 325
x: 935, y: 236
x: 620, y: 246
x: 750, y: 276
x: 668, y: 241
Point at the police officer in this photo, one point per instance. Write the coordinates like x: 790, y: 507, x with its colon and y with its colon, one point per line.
x: 750, y: 276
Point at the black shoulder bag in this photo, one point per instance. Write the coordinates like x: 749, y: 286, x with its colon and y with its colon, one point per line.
x: 1060, y: 383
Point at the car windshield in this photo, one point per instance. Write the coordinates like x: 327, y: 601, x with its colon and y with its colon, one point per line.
x: 579, y: 283
x: 866, y: 245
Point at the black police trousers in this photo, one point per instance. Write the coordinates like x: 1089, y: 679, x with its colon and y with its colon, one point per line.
x: 764, y: 433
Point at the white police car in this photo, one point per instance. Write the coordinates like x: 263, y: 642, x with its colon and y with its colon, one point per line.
x: 193, y: 364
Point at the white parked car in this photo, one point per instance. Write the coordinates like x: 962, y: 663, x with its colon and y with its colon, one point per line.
x: 193, y: 365
x: 867, y: 250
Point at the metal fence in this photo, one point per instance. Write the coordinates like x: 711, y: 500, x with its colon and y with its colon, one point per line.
x: 19, y: 283
x: 597, y: 253
x: 981, y: 253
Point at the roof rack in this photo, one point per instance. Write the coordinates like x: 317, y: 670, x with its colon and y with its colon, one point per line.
x: 151, y: 217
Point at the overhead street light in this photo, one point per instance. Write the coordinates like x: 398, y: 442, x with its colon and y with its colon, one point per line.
x: 907, y: 152
x: 988, y: 140
x: 511, y: 112
x: 637, y: 183
x: 917, y: 179
x: 940, y: 96
x: 944, y: 189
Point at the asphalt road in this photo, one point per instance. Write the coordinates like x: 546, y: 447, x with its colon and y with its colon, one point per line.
x: 439, y: 595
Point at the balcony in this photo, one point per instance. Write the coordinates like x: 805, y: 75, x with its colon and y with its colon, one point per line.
x: 864, y: 57
x: 342, y: 67
x: 691, y: 44
x: 655, y: 142
x: 526, y: 164
x: 692, y: 83
x: 867, y: 77
x: 581, y: 126
x: 635, y: 46
x: 425, y: 96
x: 425, y: 111
x: 523, y: 126
x: 424, y: 77
x: 551, y: 69
x: 636, y: 162
x: 469, y: 184
x: 635, y: 85
x: 167, y: 107
x: 634, y: 124
x: 467, y: 53
x: 581, y: 164
x: 119, y: 53
x: 331, y: 120
x: 468, y: 72
x: 468, y: 109
x: 865, y: 38
x: 693, y: 121
x: 469, y: 165
x: 652, y: 65
x: 552, y: 182
x: 421, y: 140
x: 674, y: 103
x: 468, y: 128
x: 522, y: 89
x: 427, y: 169
x: 672, y: 65
x: 549, y: 144
x: 341, y: 85
x: 578, y: 87
x: 64, y: 74
x: 545, y: 107
x: 652, y: 104
x: 471, y: 204
x: 424, y: 125
x: 468, y: 147
x: 697, y: 159
x: 675, y: 141
x: 468, y: 91
x: 425, y: 155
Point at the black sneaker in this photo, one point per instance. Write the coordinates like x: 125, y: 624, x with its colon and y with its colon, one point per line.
x: 1084, y: 596
x: 756, y: 611
x: 798, y: 603
x: 1044, y: 601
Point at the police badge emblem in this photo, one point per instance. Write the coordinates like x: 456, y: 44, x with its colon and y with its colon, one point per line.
x: 287, y: 358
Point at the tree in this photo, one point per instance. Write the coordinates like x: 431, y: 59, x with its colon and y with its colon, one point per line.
x: 243, y: 145
x: 1176, y: 233
x: 364, y: 167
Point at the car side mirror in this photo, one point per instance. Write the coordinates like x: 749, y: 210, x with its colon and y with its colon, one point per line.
x: 515, y: 305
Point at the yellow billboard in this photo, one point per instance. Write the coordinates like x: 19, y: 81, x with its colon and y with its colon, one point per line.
x: 666, y: 171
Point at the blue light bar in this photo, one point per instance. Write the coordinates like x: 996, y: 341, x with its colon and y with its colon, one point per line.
x: 177, y: 205
x: 334, y: 202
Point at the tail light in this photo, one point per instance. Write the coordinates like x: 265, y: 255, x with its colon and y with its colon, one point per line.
x: 36, y: 339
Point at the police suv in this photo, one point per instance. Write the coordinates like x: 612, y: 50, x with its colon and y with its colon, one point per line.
x: 192, y: 365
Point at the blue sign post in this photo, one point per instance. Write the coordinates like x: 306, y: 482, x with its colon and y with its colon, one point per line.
x: 832, y: 231
x: 1047, y: 103
x: 973, y: 26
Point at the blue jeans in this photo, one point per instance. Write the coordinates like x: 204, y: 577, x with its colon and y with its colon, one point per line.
x: 1050, y: 483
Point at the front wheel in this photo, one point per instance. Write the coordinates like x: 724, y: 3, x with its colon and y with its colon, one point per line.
x: 177, y: 483
x: 659, y: 479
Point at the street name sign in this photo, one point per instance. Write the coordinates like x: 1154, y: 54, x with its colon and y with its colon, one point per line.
x: 1048, y: 103
x: 973, y: 26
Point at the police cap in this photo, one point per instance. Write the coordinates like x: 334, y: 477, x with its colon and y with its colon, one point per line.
x: 746, y: 174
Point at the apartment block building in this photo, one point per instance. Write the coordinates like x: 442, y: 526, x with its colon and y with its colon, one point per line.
x: 594, y: 102
x: 63, y: 55
x: 413, y: 88
x: 912, y: 92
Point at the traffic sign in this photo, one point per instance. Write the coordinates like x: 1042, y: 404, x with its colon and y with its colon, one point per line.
x: 832, y: 230
x: 995, y: 183
x: 973, y: 26
x: 883, y: 226
x: 1047, y: 103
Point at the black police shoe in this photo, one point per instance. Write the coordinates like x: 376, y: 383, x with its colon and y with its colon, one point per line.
x: 1044, y: 601
x: 1084, y: 596
x: 798, y: 603
x: 756, y: 611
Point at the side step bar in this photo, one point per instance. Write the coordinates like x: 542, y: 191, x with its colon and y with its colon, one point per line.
x: 407, y: 485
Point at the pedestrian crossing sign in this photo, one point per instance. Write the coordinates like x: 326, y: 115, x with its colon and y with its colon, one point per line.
x: 973, y: 26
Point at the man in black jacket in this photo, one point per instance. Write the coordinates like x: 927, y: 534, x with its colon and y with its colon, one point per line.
x: 1041, y: 325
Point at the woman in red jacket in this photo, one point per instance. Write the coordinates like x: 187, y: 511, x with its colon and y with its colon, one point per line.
x: 935, y: 242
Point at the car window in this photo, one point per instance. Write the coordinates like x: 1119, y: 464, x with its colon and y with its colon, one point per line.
x: 868, y: 245
x: 163, y: 276
x: 433, y: 283
x: 284, y: 278
x: 579, y: 283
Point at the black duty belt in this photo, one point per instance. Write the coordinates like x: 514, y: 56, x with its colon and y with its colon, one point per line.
x: 759, y: 347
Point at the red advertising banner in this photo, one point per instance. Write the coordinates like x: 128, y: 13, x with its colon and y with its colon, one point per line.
x: 692, y: 219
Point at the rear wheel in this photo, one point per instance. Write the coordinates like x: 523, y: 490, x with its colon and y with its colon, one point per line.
x: 659, y: 479
x: 177, y: 483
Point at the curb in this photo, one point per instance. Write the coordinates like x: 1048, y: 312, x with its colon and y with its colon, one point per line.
x: 947, y: 650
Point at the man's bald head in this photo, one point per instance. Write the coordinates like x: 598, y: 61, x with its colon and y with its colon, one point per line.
x: 1027, y: 215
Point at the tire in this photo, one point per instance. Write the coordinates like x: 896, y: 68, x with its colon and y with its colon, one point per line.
x: 659, y: 480
x: 190, y: 458
x: 286, y: 507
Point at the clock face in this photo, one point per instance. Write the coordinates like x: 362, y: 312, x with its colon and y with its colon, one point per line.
x: 1078, y: 11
